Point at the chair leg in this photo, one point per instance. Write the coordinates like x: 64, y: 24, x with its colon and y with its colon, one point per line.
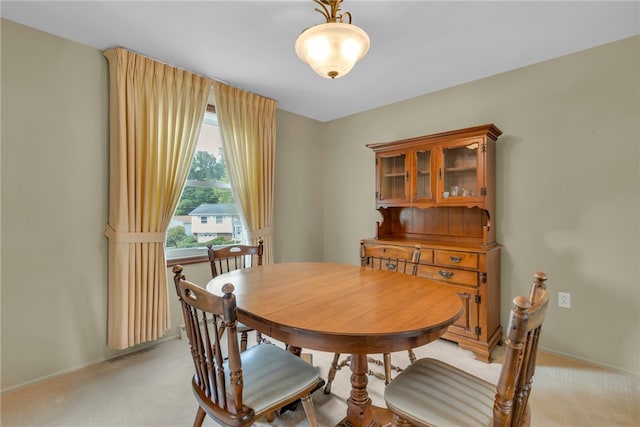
x: 199, y: 417
x: 412, y: 356
x: 271, y: 416
x: 309, y: 410
x: 244, y: 337
x: 386, y: 363
x: 387, y: 368
x: 332, y: 373
x: 399, y: 422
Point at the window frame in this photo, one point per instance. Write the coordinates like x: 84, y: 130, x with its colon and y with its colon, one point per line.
x: 184, y: 256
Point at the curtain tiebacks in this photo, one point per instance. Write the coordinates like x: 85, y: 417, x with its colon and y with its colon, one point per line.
x: 259, y: 233
x: 125, y: 237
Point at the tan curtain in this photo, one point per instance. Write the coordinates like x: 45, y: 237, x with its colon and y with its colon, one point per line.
x: 156, y: 113
x: 247, y: 124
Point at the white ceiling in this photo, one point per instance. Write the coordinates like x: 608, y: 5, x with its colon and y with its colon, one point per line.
x: 417, y: 47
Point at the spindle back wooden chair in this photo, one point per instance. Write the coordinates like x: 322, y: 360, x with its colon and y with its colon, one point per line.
x: 229, y: 385
x: 378, y: 257
x: 417, y: 394
x: 235, y: 257
x: 392, y: 258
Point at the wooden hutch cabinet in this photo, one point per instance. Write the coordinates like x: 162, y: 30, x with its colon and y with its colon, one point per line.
x: 438, y: 192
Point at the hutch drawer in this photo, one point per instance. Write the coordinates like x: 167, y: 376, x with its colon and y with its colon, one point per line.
x: 456, y: 259
x: 449, y: 275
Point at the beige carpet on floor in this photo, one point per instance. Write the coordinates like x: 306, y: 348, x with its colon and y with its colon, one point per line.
x: 152, y: 388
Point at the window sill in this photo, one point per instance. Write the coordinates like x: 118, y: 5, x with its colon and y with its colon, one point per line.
x: 186, y: 256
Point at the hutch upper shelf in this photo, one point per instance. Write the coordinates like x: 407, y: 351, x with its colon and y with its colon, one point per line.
x: 448, y: 169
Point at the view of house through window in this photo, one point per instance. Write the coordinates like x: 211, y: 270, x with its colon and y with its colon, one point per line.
x: 206, y: 213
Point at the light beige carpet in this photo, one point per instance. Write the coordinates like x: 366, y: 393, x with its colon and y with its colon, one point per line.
x: 152, y: 388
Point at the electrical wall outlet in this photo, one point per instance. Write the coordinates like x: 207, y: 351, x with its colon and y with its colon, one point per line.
x: 564, y: 299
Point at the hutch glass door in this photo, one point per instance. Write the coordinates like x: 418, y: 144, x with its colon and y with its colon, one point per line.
x: 393, y: 177
x: 460, y: 167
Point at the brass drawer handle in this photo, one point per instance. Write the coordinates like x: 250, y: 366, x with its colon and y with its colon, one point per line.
x: 455, y: 258
x: 445, y: 274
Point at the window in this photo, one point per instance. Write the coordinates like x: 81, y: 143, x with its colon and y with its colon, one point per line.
x: 206, y: 194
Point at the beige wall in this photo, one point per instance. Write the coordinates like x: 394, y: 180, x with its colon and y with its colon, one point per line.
x: 54, y: 204
x: 568, y: 192
x: 568, y: 163
x: 299, y: 192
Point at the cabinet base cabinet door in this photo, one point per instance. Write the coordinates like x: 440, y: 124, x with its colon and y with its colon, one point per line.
x: 468, y: 324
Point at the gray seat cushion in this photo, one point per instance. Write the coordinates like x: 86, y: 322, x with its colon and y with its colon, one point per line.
x: 272, y: 374
x: 435, y: 393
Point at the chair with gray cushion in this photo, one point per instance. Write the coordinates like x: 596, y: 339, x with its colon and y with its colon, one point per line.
x: 236, y: 257
x: 380, y: 257
x: 237, y: 388
x: 433, y: 393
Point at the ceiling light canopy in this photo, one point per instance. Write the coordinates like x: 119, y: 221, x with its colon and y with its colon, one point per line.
x: 332, y: 49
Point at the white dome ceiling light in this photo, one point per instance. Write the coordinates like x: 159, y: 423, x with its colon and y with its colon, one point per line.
x: 333, y: 48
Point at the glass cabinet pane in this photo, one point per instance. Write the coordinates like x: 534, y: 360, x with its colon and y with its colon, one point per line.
x: 423, y: 174
x: 392, y: 177
x: 460, y: 167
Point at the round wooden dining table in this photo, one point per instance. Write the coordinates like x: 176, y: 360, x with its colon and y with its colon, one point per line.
x: 342, y: 308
